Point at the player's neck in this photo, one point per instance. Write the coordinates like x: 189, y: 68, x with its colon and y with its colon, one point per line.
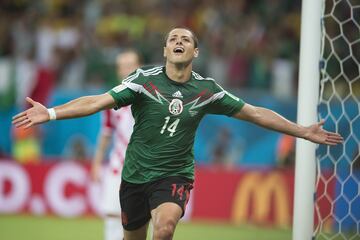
x: 178, y: 73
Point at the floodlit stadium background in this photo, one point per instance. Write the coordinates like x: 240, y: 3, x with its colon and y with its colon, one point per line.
x: 58, y: 50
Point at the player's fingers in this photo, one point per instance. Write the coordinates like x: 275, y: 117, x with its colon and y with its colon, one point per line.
x: 29, y: 100
x: 22, y: 123
x: 334, y: 140
x: 30, y: 124
x: 332, y: 133
x: 321, y: 123
x: 334, y: 136
x: 19, y: 115
x: 19, y: 119
x: 332, y: 143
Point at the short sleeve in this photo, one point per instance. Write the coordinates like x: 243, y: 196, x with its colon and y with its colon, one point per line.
x: 225, y: 103
x: 126, y: 93
x: 123, y: 95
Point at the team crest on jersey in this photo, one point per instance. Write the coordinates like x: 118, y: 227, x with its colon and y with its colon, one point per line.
x: 176, y: 107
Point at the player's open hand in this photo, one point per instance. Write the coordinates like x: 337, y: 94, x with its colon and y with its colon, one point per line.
x: 35, y: 115
x: 315, y: 133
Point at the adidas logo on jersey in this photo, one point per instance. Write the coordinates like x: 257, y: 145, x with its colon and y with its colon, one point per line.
x: 177, y: 94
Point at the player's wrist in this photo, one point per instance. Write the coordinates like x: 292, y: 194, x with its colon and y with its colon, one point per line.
x: 52, y: 114
x: 305, y: 132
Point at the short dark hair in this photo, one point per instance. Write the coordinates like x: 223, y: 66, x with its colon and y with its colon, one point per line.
x: 194, y: 37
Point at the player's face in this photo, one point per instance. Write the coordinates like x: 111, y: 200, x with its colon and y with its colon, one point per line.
x: 180, y: 47
x: 126, y: 63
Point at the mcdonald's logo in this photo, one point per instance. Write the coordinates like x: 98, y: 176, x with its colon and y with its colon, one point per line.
x: 259, y: 195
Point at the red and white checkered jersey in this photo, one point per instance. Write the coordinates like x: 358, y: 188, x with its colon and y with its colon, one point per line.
x: 118, y: 124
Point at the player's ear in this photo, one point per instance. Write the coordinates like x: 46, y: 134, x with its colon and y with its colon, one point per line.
x: 196, y: 52
x: 164, y: 53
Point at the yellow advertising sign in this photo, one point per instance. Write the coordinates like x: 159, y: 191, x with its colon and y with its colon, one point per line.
x: 262, y: 192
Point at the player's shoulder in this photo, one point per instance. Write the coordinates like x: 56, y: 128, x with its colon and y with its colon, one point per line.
x: 144, y: 72
x: 200, y: 78
x: 208, y: 81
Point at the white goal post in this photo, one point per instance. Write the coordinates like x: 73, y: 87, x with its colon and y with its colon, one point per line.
x: 308, y: 95
x: 327, y: 179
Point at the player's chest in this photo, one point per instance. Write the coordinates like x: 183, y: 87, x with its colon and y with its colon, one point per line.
x: 185, y: 101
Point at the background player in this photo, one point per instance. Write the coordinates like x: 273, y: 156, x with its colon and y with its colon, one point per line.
x: 119, y: 125
x: 168, y: 103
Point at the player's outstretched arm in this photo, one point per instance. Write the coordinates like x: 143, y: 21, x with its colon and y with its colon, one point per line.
x: 271, y: 120
x: 79, y: 107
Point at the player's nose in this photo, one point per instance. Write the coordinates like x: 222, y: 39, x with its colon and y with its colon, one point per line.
x: 179, y: 41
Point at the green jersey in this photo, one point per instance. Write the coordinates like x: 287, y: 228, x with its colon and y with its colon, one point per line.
x: 166, y: 115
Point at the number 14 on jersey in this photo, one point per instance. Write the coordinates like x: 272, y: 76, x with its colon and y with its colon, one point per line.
x: 171, y: 128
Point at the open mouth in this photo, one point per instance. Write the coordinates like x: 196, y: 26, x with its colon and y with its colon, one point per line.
x: 179, y: 50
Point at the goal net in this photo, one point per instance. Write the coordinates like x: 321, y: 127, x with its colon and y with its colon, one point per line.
x: 337, y: 198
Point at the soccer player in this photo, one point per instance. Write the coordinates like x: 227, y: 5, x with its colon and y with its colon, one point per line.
x: 119, y: 125
x: 168, y: 103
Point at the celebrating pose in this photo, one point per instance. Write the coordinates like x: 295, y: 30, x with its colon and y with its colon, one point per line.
x: 168, y: 103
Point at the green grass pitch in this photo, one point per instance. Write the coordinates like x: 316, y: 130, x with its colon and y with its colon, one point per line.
x: 22, y: 227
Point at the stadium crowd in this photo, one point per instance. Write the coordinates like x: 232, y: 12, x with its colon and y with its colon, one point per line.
x: 72, y: 45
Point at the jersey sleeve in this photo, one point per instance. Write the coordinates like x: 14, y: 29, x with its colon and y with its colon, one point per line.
x: 123, y: 95
x: 126, y: 93
x: 224, y: 102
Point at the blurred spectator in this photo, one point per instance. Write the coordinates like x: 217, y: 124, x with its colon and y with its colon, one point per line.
x: 25, y: 77
x: 71, y: 45
x: 77, y: 149
x: 286, y: 151
x: 43, y: 85
x: 23, y: 28
x: 238, y: 71
x: 260, y: 72
x: 7, y: 85
x: 220, y: 148
x: 245, y: 40
x: 216, y: 61
x: 26, y: 148
x: 226, y: 149
x: 282, y: 75
x: 45, y: 42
